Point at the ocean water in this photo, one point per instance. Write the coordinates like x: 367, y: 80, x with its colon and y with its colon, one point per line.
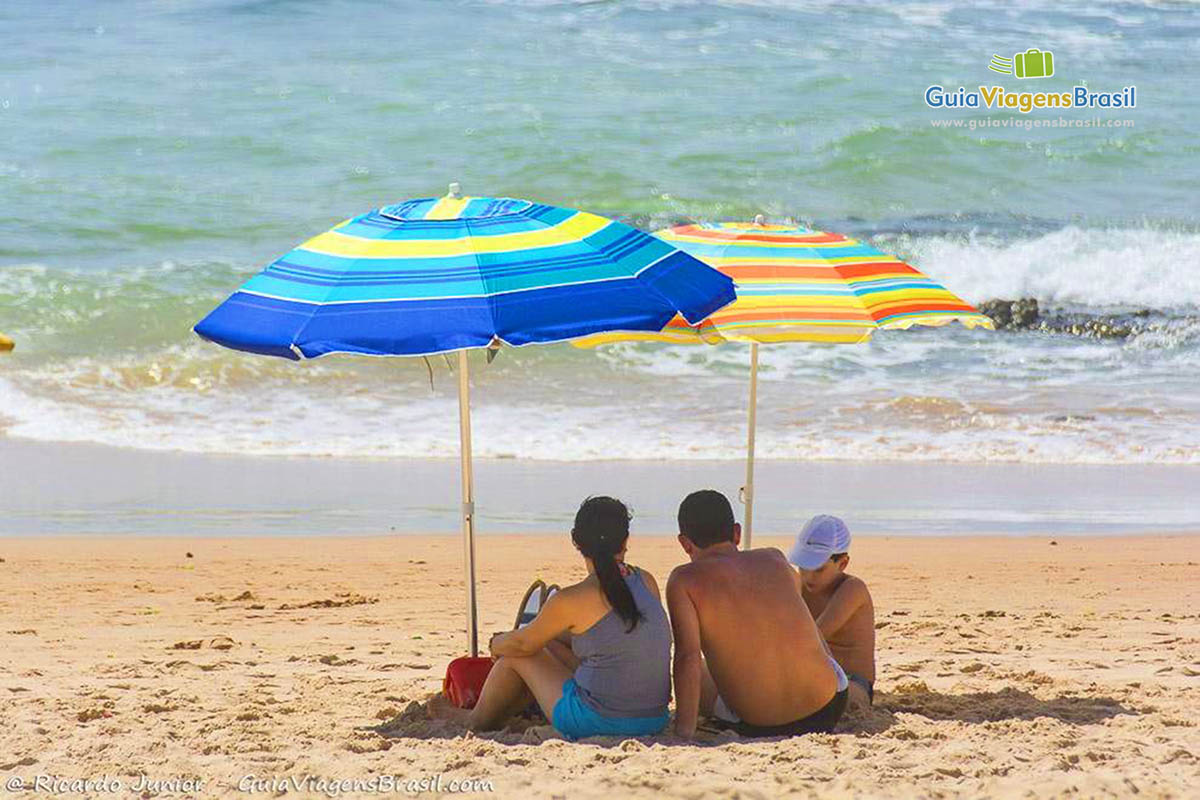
x: 155, y: 154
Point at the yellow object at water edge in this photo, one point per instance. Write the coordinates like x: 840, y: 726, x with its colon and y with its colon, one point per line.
x: 6, y: 343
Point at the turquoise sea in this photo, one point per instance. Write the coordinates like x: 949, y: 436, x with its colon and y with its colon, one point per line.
x: 155, y: 154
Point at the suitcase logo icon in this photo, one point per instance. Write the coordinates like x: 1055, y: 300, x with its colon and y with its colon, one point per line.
x: 1033, y: 63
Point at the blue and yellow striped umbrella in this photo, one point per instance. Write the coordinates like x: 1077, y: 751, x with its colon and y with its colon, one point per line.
x: 443, y: 274
x: 455, y: 273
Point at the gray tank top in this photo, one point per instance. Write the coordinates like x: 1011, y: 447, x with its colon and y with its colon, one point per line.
x: 627, y: 674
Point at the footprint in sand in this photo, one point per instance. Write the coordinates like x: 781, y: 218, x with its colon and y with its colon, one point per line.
x: 220, y: 598
x: 215, y: 643
x: 1186, y: 755
x: 342, y: 600
x: 89, y: 714
x: 335, y: 660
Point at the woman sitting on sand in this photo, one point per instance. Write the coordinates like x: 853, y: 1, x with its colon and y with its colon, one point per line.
x: 615, y: 677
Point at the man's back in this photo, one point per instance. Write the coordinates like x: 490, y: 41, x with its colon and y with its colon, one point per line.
x: 759, y: 640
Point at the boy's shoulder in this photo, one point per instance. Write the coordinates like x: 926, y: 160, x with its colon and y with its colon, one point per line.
x: 855, y: 586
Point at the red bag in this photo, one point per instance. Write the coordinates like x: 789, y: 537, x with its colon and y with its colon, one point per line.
x: 464, y: 680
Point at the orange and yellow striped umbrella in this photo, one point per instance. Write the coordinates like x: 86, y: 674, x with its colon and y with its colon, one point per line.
x: 799, y: 285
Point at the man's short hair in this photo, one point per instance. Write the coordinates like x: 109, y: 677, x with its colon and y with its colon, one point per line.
x: 706, y: 518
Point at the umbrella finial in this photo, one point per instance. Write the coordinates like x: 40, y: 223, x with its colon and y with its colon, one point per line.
x: 759, y: 219
x: 455, y: 190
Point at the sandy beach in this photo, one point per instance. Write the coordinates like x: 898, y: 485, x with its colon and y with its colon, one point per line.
x: 263, y: 261
x: 1008, y: 667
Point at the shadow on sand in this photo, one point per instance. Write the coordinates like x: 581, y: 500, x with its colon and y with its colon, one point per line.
x: 916, y: 698
x: 1008, y: 703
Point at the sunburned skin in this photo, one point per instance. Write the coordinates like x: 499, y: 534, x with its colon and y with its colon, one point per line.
x: 743, y: 611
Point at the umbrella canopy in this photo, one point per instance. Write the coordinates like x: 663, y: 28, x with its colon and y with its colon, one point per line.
x: 795, y: 284
x: 435, y: 275
x: 442, y: 274
x: 800, y: 285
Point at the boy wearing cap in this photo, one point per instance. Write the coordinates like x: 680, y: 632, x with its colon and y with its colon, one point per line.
x: 838, y: 601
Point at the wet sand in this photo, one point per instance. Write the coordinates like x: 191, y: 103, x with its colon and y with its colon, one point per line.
x: 76, y: 488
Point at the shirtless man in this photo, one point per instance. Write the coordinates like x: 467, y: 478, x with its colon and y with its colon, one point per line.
x: 747, y: 650
x: 839, y: 602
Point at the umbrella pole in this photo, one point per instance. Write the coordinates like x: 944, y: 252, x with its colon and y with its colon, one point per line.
x: 748, y: 489
x: 468, y: 498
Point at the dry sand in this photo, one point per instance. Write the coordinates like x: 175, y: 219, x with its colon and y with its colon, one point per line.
x: 1007, y: 668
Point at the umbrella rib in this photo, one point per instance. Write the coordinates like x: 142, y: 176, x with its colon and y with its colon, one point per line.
x: 294, y: 346
x: 636, y: 276
x: 487, y: 292
x: 667, y: 301
x: 874, y: 325
x: 716, y: 329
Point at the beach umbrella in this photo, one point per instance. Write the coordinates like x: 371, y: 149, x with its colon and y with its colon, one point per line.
x: 450, y: 274
x: 795, y: 284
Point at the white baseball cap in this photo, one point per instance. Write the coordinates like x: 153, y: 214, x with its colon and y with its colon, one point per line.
x: 822, y: 536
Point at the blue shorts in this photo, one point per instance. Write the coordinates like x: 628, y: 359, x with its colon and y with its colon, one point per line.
x: 575, y: 719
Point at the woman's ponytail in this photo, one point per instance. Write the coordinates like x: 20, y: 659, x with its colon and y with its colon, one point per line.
x: 600, y: 532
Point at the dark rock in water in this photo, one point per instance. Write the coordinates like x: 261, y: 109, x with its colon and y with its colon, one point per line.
x: 1012, y: 314
x: 1024, y: 314
x: 1000, y: 312
x: 1098, y: 328
x: 1094, y: 327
